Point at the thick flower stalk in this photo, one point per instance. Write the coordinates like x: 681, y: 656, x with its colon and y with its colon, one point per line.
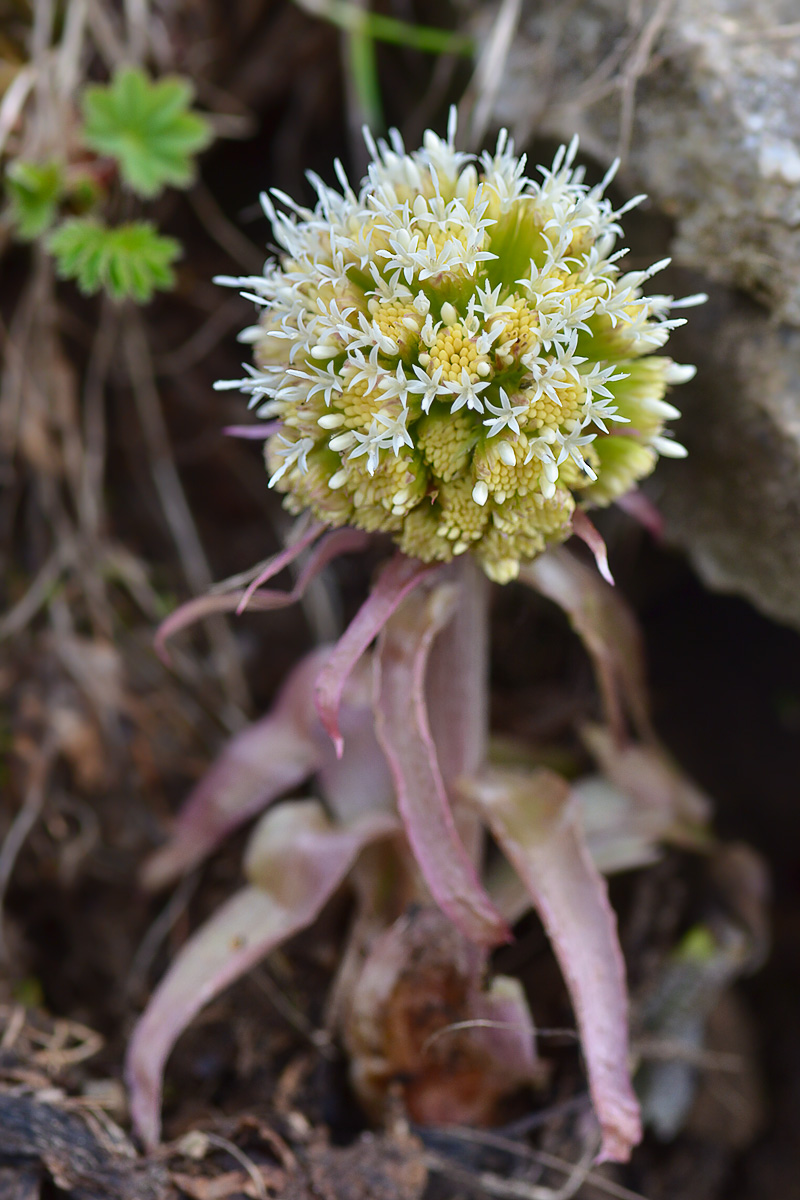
x: 453, y: 356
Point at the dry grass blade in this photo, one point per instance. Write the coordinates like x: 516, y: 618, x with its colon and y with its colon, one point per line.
x: 36, y: 596
x: 634, y: 68
x: 543, y: 1158
x: 94, y: 423
x: 246, y: 1163
x: 25, y: 819
x: 224, y: 233
x: 222, y: 320
x: 517, y: 1189
x: 68, y: 65
x: 137, y: 22
x: 479, y: 98
x: 174, y: 504
x: 14, y: 101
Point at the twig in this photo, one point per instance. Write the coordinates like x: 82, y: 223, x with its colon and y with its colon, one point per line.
x: 68, y: 64
x: 319, y: 1038
x: 27, y: 607
x: 483, y: 89
x: 773, y: 33
x: 105, y: 35
x: 670, y: 1049
x: 247, y: 1163
x: 25, y: 820
x: 542, y: 1158
x: 137, y: 21
x: 41, y: 36
x: 174, y: 505
x: 15, y: 371
x: 544, y: 1116
x: 223, y: 231
x: 635, y: 68
x: 485, y: 1023
x: 14, y: 1026
x: 203, y: 340
x: 542, y: 69
x: 94, y: 422
x: 14, y: 101
x: 56, y: 1053
x: 513, y: 1189
x: 158, y: 931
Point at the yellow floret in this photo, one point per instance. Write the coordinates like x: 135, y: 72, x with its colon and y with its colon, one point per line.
x: 461, y: 520
x: 446, y: 441
x: 401, y: 322
x: 419, y: 538
x: 270, y: 349
x: 503, y: 479
x: 454, y: 351
x: 519, y: 330
x: 356, y: 405
x: 519, y: 531
x: 553, y: 413
x: 384, y: 498
x: 311, y: 489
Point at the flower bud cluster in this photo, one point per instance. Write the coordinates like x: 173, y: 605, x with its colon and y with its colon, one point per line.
x: 453, y: 354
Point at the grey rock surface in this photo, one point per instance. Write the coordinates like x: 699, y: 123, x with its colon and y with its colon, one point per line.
x: 702, y: 99
x: 734, y: 503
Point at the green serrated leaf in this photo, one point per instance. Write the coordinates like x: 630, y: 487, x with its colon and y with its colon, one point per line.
x: 131, y: 260
x: 147, y: 127
x: 34, y: 191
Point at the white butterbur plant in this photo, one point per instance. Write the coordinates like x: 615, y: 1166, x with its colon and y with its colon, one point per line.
x: 452, y: 356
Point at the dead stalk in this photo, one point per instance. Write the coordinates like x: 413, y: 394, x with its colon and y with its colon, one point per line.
x: 25, y: 820
x: 175, y: 506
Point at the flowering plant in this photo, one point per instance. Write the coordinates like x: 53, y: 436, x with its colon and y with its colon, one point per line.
x: 451, y: 357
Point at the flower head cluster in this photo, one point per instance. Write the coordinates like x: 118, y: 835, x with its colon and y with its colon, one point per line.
x: 453, y: 354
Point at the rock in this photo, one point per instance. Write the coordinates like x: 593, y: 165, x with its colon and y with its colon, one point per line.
x: 734, y: 503
x: 703, y: 102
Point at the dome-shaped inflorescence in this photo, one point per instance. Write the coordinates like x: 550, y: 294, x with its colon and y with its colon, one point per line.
x: 452, y: 355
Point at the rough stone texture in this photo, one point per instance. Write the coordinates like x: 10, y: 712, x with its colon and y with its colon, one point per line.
x: 703, y: 101
x: 706, y: 99
x: 734, y: 503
